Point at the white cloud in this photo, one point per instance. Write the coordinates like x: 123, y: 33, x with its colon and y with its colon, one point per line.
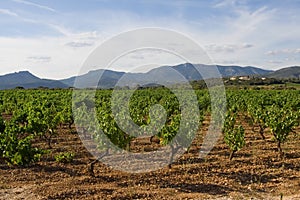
x: 142, y: 60
x: 79, y: 44
x: 8, y: 12
x: 234, y: 32
x: 46, y: 57
x: 283, y: 51
x: 227, y: 48
x: 39, y: 59
x: 275, y: 61
x: 83, y: 39
x: 249, y: 23
x: 35, y: 5
x: 244, y: 22
x: 225, y: 3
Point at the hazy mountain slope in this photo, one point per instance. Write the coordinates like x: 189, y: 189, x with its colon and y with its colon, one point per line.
x: 166, y: 74
x: 27, y: 80
x: 289, y: 72
x: 92, y: 79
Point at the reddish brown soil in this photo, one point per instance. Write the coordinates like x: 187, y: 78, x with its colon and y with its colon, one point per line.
x: 256, y: 172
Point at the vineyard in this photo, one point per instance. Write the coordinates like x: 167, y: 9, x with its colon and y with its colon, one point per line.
x: 42, y: 133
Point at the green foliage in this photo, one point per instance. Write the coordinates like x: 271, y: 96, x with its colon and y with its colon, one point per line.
x: 234, y: 136
x: 31, y: 113
x: 65, y: 157
x: 258, y: 116
x: 16, y: 147
x: 281, y: 123
x: 43, y: 120
x: 126, y: 114
x: 38, y: 113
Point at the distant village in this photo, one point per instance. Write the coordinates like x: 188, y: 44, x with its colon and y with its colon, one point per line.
x: 243, y: 78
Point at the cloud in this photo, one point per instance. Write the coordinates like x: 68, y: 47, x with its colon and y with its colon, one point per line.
x: 79, y: 44
x: 35, y: 5
x: 240, y: 19
x: 232, y: 31
x: 8, y: 12
x: 81, y: 39
x: 39, y: 59
x: 275, y: 61
x: 138, y: 57
x: 283, y: 51
x: 227, y: 48
x: 225, y: 3
x: 174, y: 3
x: 250, y: 22
x: 46, y: 57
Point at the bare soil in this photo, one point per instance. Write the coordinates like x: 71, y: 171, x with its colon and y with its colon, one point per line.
x: 256, y: 172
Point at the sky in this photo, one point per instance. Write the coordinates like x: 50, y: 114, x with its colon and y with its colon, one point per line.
x: 53, y: 38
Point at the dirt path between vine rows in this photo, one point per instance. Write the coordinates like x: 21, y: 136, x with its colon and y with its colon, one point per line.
x: 256, y: 172
x: 26, y: 193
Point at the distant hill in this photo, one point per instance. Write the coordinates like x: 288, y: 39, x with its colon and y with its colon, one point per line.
x: 90, y: 80
x: 226, y: 71
x: 27, y: 80
x: 162, y: 75
x: 286, y: 73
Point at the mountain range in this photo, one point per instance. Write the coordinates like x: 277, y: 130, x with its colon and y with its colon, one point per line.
x: 27, y: 80
x: 162, y: 75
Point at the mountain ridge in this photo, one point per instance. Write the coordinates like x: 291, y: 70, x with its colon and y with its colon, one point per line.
x: 162, y: 75
x: 26, y: 79
x: 169, y: 74
x: 288, y: 72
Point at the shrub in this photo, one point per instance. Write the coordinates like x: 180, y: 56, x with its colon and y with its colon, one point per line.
x: 16, y: 147
x: 65, y: 157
